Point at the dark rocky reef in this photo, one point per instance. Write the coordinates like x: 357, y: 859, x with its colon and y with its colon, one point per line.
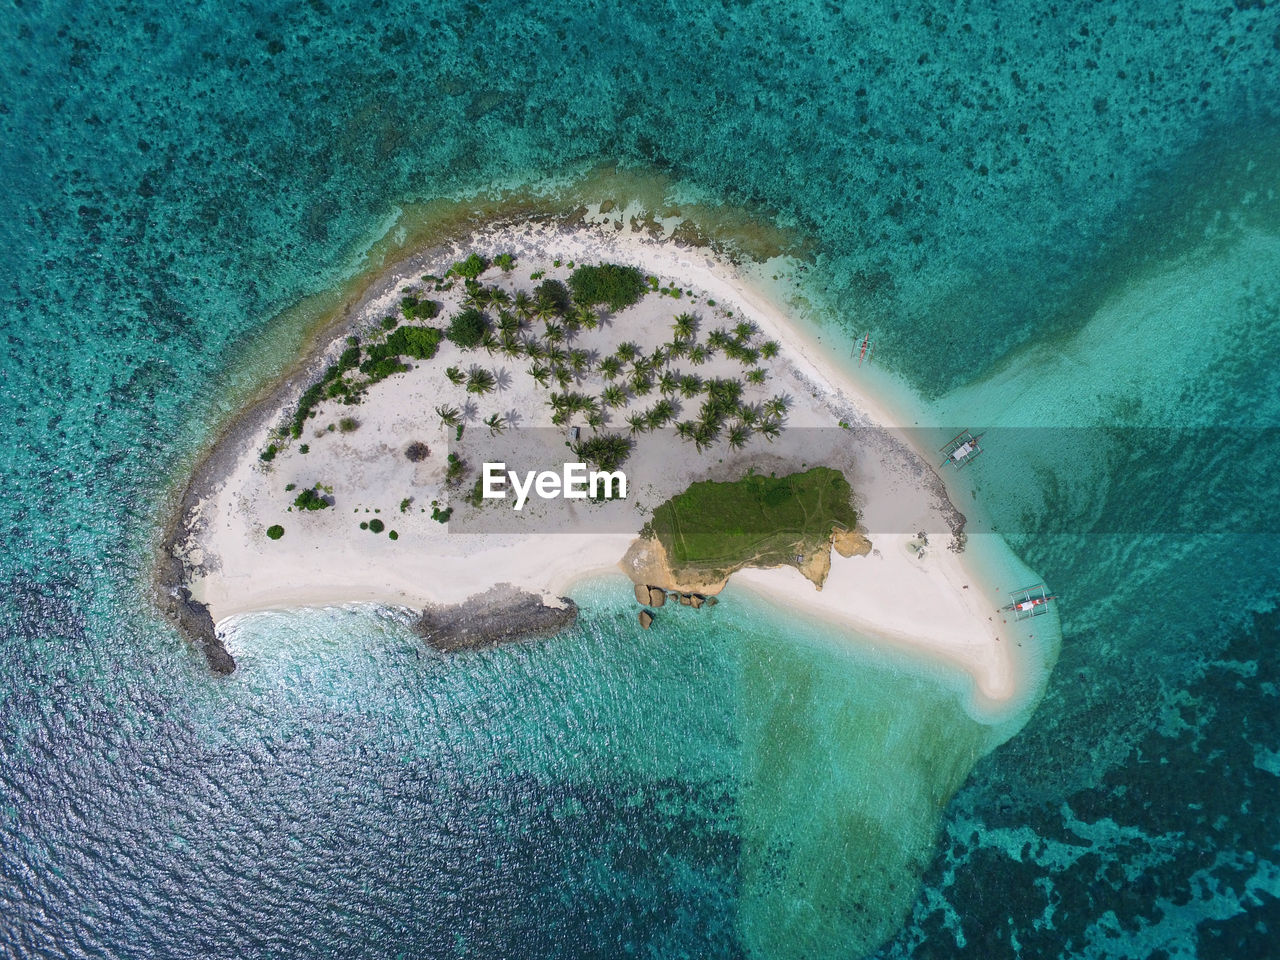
x: 499, y: 615
x: 195, y: 622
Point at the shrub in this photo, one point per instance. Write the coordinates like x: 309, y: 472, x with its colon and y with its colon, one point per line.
x: 420, y: 343
x: 553, y: 295
x: 269, y: 454
x: 468, y: 328
x: 275, y: 531
x: 608, y: 283
x: 306, y: 405
x: 506, y: 261
x: 376, y: 526
x: 392, y: 535
x: 309, y: 499
x: 348, y: 425
x: 417, y: 451
x: 404, y: 504
x: 304, y: 448
x: 415, y: 309
x: 441, y: 516
x: 471, y: 267
x: 364, y: 524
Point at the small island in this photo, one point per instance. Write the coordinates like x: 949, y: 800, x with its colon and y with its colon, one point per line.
x: 530, y: 347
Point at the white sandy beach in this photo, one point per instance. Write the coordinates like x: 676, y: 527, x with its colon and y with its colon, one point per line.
x: 926, y: 601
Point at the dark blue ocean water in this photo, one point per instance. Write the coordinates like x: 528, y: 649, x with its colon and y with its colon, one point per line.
x: 1062, y: 216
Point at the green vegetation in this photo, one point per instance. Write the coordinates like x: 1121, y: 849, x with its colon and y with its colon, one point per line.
x: 377, y: 526
x: 269, y: 454
x: 470, y: 268
x: 440, y: 516
x: 404, y: 504
x: 608, y: 451
x: 610, y: 284
x: 454, y: 471
x: 552, y: 297
x: 715, y: 528
x: 392, y: 535
x: 348, y: 425
x: 414, y: 309
x: 481, y: 381
x: 420, y: 343
x: 310, y: 499
x: 468, y: 328
x: 506, y: 261
x: 275, y: 531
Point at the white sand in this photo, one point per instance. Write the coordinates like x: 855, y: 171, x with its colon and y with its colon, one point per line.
x: 930, y: 604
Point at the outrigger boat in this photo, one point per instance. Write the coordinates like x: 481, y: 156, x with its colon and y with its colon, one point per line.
x: 867, y: 349
x: 962, y: 449
x: 1028, y: 602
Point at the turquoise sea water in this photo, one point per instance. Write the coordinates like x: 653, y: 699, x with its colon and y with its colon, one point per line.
x: 1061, y: 219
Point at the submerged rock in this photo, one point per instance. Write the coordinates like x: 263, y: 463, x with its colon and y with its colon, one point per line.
x: 499, y: 615
x: 646, y: 619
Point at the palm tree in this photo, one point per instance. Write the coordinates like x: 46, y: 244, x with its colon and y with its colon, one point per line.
x: 756, y: 376
x: 456, y: 376
x: 704, y: 435
x: 769, y: 349
x: 481, y: 381
x: 587, y: 317
x: 657, y: 358
x: 555, y: 333
x: 627, y: 351
x: 684, y: 326
x: 641, y: 384
x: 541, y: 374
x: 776, y: 406
x: 494, y: 423
x: 524, y: 305
x: 638, y: 423
x: 489, y: 342
x: 770, y: 429
x: 534, y: 348
x: 511, y: 346
x: 718, y: 338
x: 745, y: 330
x: 499, y: 297
x: 699, y: 355
x: 668, y: 382
x: 579, y: 360
x: 508, y: 322
x: 449, y: 416
x: 685, y: 429
x: 610, y: 367
x: 678, y: 348
x: 563, y: 377
x: 690, y: 385
x: 737, y: 437
x: 614, y: 396
x: 595, y: 419
x: 662, y: 413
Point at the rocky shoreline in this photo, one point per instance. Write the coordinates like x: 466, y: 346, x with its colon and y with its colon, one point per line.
x: 501, y: 614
